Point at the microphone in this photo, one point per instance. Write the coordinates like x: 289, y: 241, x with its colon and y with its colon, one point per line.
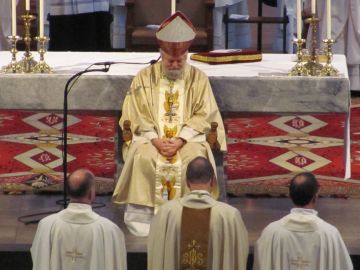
x: 109, y: 63
x: 154, y: 61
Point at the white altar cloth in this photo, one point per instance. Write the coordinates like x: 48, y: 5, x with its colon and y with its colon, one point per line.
x: 263, y: 83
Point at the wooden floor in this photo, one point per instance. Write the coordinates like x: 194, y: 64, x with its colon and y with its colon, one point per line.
x: 256, y: 212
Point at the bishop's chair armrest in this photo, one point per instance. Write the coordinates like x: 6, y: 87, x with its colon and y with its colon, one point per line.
x: 127, y: 136
x: 212, y: 137
x: 127, y: 133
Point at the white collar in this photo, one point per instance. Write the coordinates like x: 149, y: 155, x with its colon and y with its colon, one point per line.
x: 200, y: 192
x: 78, y: 213
x: 79, y: 206
x: 301, y: 220
x: 303, y: 211
x: 198, y: 199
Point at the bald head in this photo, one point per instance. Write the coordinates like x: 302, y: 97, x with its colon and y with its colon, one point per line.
x: 303, y: 189
x: 199, y: 171
x: 80, y: 184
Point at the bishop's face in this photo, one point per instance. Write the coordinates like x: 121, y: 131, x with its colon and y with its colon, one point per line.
x: 173, y: 65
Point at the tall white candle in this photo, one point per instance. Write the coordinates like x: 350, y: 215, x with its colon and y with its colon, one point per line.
x: 298, y: 18
x: 328, y: 19
x: 313, y: 6
x: 27, y: 5
x: 13, y: 17
x: 173, y: 6
x: 41, y: 18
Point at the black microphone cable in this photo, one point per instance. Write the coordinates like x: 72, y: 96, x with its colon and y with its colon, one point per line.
x: 109, y: 63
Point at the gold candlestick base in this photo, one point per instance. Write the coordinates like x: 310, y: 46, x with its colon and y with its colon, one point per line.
x: 298, y: 69
x: 27, y: 64
x: 313, y: 66
x: 42, y: 66
x: 328, y: 69
x: 13, y: 66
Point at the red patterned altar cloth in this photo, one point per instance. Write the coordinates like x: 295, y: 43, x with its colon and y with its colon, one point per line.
x: 266, y: 150
x: 31, y: 149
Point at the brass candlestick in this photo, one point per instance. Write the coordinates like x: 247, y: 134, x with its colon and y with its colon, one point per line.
x: 14, y: 66
x: 298, y: 69
x: 27, y: 62
x: 42, y: 66
x: 328, y: 69
x: 312, y: 65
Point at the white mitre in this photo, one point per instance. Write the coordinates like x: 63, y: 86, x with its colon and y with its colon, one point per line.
x: 176, y: 34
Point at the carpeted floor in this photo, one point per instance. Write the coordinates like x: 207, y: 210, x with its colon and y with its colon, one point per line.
x: 31, y: 149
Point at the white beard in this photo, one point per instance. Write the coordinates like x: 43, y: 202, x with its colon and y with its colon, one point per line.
x: 173, y: 74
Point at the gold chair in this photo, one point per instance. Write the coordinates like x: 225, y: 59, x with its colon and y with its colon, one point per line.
x: 141, y: 14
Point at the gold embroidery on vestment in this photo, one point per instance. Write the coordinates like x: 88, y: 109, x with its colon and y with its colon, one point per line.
x: 193, y: 258
x: 300, y: 263
x: 74, y: 255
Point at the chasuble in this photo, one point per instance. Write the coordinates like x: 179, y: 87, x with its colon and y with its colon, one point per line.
x: 78, y: 238
x: 162, y: 108
x: 301, y: 240
x: 227, y: 245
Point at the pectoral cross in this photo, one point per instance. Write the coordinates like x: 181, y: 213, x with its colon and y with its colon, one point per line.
x: 171, y: 100
x: 300, y: 263
x: 74, y: 255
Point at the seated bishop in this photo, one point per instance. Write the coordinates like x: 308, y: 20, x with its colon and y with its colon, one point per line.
x: 302, y: 240
x: 170, y: 106
x: 196, y: 231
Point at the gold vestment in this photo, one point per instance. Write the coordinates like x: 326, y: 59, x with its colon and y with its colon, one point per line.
x: 136, y: 184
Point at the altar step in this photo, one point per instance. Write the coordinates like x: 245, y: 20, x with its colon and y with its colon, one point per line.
x: 21, y: 260
x: 18, y: 257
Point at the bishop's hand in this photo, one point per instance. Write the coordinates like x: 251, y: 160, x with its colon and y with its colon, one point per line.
x: 168, y: 147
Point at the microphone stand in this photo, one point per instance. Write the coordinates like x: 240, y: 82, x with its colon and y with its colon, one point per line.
x: 65, y: 118
x: 67, y: 89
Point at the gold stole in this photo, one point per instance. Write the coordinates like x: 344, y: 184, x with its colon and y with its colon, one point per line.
x: 171, y: 110
x: 195, y: 227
